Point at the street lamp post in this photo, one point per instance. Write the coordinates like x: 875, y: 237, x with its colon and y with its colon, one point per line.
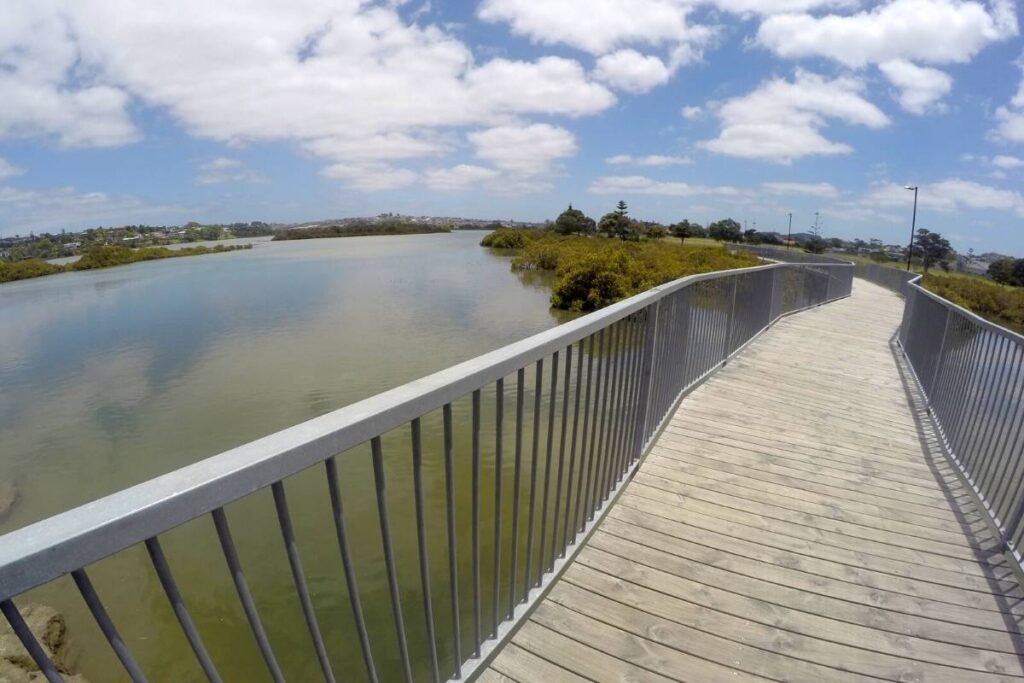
x: 913, y: 224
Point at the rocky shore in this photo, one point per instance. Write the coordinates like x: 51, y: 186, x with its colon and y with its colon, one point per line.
x: 51, y: 630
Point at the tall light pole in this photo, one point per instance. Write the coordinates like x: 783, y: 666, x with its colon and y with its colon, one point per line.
x: 789, y: 235
x: 913, y: 224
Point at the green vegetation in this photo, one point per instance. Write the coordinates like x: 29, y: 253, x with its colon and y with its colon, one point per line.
x: 932, y: 248
x: 23, y: 270
x: 1007, y: 271
x: 508, y: 238
x: 1001, y: 304
x: 359, y: 229
x: 593, y: 272
x: 103, y: 257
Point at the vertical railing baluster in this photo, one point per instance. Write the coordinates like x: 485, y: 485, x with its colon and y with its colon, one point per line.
x: 644, y: 396
x: 351, y: 584
x: 732, y: 318
x: 163, y: 572
x: 588, y: 493
x: 552, y: 400
x: 538, y: 388
x: 227, y: 544
x: 572, y: 449
x: 627, y: 419
x: 380, y: 483
x: 453, y: 558
x: 28, y: 640
x: 292, y: 550
x: 605, y: 443
x: 476, y: 522
x: 421, y: 542
x: 99, y: 613
x: 499, y: 419
x: 517, y: 478
x: 562, y: 433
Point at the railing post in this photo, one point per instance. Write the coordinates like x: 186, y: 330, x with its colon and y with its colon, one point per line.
x: 732, y: 319
x: 646, y: 366
x: 771, y: 298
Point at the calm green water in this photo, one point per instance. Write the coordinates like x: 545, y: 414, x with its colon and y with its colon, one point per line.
x: 109, y: 378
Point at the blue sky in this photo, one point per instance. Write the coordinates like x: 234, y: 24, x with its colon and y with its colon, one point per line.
x: 241, y: 110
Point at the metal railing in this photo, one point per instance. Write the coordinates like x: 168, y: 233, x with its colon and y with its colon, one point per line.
x: 971, y: 373
x: 558, y: 422
x: 893, y: 279
x: 786, y: 254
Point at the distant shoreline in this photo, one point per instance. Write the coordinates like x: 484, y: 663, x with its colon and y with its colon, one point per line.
x: 330, y: 231
x: 101, y: 257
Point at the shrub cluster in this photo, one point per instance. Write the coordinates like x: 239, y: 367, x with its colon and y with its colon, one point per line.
x: 359, y: 229
x: 104, y: 256
x: 593, y: 272
x: 510, y: 238
x: 1001, y: 304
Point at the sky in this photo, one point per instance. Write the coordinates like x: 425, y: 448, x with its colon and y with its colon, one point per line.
x: 118, y: 112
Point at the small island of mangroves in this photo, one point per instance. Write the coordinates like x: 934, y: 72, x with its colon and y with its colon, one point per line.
x: 592, y: 271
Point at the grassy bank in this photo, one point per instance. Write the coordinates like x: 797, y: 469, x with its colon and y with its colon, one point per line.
x: 358, y: 230
x: 103, y: 257
x: 1002, y: 304
x: 593, y: 272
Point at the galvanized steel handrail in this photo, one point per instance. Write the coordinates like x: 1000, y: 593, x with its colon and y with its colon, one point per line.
x: 971, y: 373
x: 650, y: 350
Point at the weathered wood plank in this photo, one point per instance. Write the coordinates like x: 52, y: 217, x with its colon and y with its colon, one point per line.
x: 793, y: 522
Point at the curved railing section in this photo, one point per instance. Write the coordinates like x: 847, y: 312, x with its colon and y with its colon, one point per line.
x: 893, y: 279
x: 534, y: 440
x: 786, y: 254
x: 971, y: 372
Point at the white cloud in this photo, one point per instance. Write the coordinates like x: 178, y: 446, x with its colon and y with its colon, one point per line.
x: 949, y: 195
x: 224, y: 170
x: 597, y: 26
x: 825, y: 190
x: 631, y: 71
x: 8, y: 170
x: 692, y: 113
x: 459, y: 177
x: 745, y: 7
x: 551, y: 85
x: 524, y: 149
x: 345, y: 80
x: 1007, y: 162
x: 920, y: 87
x: 643, y: 185
x: 23, y: 210
x: 371, y: 177
x: 929, y: 31
x: 1011, y: 117
x: 781, y: 120
x: 649, y: 160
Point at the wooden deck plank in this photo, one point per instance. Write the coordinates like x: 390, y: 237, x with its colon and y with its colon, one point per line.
x: 792, y: 523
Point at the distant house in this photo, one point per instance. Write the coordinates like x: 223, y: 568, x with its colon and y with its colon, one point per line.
x: 131, y: 238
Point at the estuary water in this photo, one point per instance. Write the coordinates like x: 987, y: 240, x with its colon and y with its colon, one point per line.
x: 109, y: 378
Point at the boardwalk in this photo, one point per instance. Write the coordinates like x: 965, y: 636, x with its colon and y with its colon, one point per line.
x: 794, y: 522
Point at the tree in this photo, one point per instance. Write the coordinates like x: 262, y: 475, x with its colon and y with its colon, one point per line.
x: 684, y: 229
x: 931, y: 247
x: 621, y: 208
x: 652, y: 230
x: 726, y: 230
x: 573, y: 222
x: 752, y: 236
x: 815, y: 245
x: 1007, y: 271
x: 613, y: 224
